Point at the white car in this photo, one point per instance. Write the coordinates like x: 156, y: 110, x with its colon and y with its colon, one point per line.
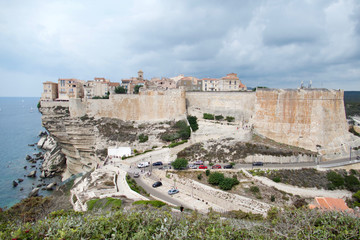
x: 143, y: 164
x: 173, y: 191
x: 192, y: 166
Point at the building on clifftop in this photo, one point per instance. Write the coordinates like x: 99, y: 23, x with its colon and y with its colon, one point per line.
x: 50, y: 91
x: 70, y: 88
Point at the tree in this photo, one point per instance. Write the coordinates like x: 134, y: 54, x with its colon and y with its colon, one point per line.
x: 215, y: 178
x: 120, y: 90
x: 180, y: 163
x: 193, y: 122
x: 136, y: 89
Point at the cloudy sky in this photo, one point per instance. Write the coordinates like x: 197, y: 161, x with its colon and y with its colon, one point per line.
x: 275, y: 43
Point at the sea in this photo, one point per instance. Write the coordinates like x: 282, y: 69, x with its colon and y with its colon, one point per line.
x: 20, y: 125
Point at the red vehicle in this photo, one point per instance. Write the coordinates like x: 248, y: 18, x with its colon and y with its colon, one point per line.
x: 202, y: 167
x: 216, y: 167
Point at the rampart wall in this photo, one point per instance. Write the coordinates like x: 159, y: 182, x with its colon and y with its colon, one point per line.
x: 240, y: 105
x: 310, y: 118
x: 146, y: 106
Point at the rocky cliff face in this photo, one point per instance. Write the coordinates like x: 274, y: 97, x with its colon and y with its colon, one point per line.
x: 84, y: 141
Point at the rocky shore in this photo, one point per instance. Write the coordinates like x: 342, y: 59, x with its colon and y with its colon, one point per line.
x: 43, y: 167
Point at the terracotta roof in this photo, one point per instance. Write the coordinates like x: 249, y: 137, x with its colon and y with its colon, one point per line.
x: 330, y: 204
x: 114, y: 84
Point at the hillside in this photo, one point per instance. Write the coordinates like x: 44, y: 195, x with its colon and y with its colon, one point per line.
x: 144, y: 222
x: 352, y: 103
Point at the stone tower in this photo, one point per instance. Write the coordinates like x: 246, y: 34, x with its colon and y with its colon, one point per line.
x: 140, y: 75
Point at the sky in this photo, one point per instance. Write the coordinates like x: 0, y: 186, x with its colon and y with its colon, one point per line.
x: 275, y: 43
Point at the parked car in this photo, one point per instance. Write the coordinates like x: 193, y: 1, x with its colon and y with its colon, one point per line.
x: 157, y: 184
x: 157, y: 164
x: 173, y: 191
x: 191, y: 166
x: 199, y: 162
x: 136, y: 175
x: 202, y: 167
x: 216, y: 166
x: 143, y: 164
x: 228, y: 166
x: 257, y: 163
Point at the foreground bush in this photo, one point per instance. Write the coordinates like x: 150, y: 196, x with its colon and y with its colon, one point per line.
x: 161, y: 224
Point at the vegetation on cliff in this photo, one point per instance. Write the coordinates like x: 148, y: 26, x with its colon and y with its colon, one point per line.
x: 146, y: 222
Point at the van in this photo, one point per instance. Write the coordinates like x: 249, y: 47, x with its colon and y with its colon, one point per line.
x: 143, y: 164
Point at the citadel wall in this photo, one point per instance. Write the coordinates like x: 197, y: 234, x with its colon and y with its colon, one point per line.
x: 310, y: 118
x: 148, y: 105
x: 240, y: 105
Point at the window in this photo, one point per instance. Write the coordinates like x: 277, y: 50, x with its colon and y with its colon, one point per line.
x: 62, y: 83
x: 45, y: 90
x: 230, y: 83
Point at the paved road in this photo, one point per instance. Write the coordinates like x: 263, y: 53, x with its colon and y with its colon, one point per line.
x: 159, y: 192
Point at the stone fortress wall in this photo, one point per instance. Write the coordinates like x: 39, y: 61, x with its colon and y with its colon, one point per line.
x: 309, y: 118
x: 240, y: 105
x: 148, y: 105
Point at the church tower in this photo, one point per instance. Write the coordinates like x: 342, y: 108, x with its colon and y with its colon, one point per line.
x: 140, y: 75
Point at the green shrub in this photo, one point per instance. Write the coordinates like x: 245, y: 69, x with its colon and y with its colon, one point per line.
x: 228, y: 183
x: 154, y: 203
x: 207, y: 172
x: 357, y: 196
x: 193, y: 123
x: 230, y: 119
x: 215, y: 178
x: 179, y: 163
x: 208, y: 116
x: 254, y: 189
x: 169, y: 137
x: 39, y: 105
x: 352, y: 183
x: 336, y: 179
x: 199, y: 176
x: 276, y: 179
x: 143, y: 138
x: 120, y: 90
x: 174, y: 144
x: 219, y: 117
x: 272, y: 198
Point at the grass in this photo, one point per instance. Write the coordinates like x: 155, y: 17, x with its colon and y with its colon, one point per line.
x: 133, y: 186
x: 105, y: 203
x: 154, y: 203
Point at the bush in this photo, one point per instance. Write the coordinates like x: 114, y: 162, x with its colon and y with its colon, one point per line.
x: 120, y: 90
x: 208, y: 116
x: 199, y: 176
x: 254, y: 189
x: 137, y: 88
x: 298, y: 203
x: 39, y: 105
x: 174, y: 144
x: 276, y: 179
x: 154, y: 203
x: 193, y: 123
x: 230, y: 119
x: 352, y: 183
x: 228, y: 183
x: 207, y: 172
x: 215, y: 178
x: 179, y: 163
x: 219, y: 117
x: 143, y: 138
x: 336, y: 179
x: 272, y: 198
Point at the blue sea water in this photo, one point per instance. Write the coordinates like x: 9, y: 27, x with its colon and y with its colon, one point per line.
x: 20, y: 124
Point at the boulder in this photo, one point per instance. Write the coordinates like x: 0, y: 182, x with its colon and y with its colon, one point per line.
x: 21, y: 189
x: 50, y: 186
x: 31, y: 145
x: 20, y: 180
x: 34, y: 192
x: 32, y: 174
x: 28, y: 157
x: 25, y: 167
x: 42, y: 174
x: 41, y: 141
x: 15, y: 183
x: 42, y: 133
x: 49, y: 143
